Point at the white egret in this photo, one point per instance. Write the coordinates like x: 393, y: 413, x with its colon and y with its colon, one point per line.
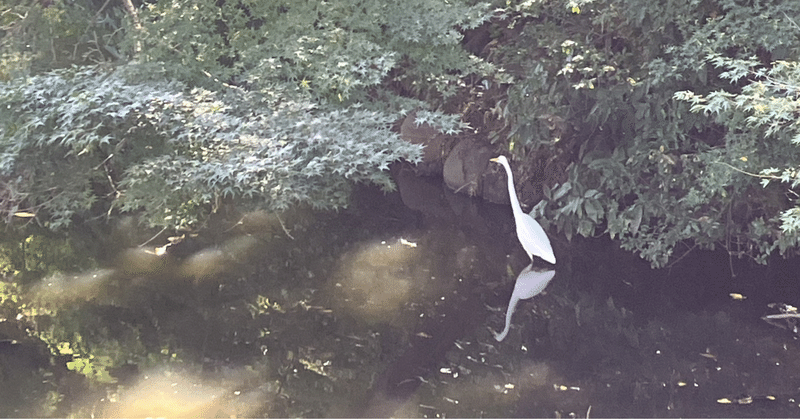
x: 529, y: 284
x: 530, y: 234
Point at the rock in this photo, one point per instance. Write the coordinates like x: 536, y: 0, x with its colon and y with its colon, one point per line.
x: 495, y: 187
x: 421, y: 193
x: 436, y: 144
x: 465, y: 166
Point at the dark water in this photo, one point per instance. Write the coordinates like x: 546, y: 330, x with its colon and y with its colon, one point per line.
x: 385, y: 310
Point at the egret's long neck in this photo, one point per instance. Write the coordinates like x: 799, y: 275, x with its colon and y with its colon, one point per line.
x: 512, y: 193
x: 509, y: 312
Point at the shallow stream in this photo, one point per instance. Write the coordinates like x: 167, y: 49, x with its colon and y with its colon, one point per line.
x: 385, y: 310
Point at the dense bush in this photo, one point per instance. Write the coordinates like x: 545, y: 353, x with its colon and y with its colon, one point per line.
x: 666, y: 125
x: 267, y: 104
x: 174, y: 153
x: 607, y: 79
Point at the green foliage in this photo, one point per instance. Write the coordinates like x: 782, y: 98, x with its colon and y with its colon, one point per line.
x: 57, y: 133
x: 30, y: 253
x: 37, y: 36
x: 337, y: 51
x: 652, y: 116
x: 761, y: 118
x: 93, y: 340
x: 267, y: 104
x: 176, y: 154
x: 645, y: 166
x: 93, y: 367
x: 10, y: 300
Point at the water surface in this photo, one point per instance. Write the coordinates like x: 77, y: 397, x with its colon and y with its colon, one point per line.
x: 383, y: 310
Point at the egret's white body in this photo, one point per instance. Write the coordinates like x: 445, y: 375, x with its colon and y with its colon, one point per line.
x: 529, y: 284
x: 530, y: 234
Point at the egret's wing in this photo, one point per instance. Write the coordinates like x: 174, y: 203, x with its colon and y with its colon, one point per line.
x: 531, y: 283
x: 536, y: 241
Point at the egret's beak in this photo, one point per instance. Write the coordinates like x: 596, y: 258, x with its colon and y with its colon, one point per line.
x: 494, y: 160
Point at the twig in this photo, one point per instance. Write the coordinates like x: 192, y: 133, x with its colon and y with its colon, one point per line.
x: 154, y: 237
x: 747, y: 173
x: 100, y: 10
x: 464, y: 186
x: 238, y: 223
x: 682, y: 256
x: 131, y: 9
x: 782, y: 316
x: 284, y: 227
x: 104, y: 161
x: 790, y: 20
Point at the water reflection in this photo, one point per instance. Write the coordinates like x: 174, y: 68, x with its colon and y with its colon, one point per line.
x: 375, y: 281
x: 529, y: 283
x: 64, y: 289
x: 211, y: 262
x: 136, y: 266
x: 261, y: 328
x: 170, y: 392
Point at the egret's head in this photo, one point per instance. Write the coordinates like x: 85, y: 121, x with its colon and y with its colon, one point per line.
x: 500, y: 160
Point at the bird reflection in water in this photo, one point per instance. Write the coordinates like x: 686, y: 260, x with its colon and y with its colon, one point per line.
x: 529, y: 284
x: 534, y: 240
